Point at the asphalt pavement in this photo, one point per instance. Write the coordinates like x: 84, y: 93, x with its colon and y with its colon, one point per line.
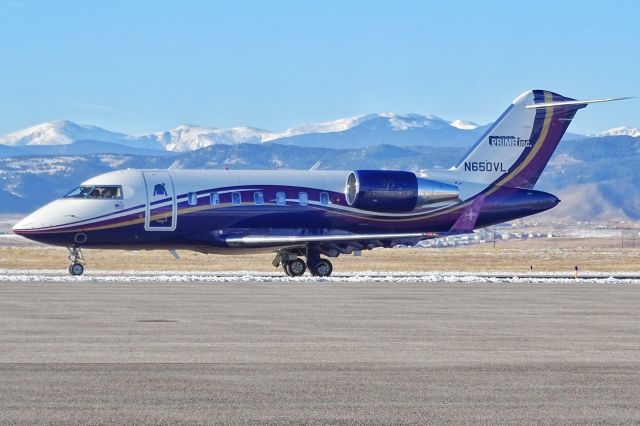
x: 325, y: 353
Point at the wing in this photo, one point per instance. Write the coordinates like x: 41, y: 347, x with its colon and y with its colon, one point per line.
x: 329, y: 245
x: 335, y: 244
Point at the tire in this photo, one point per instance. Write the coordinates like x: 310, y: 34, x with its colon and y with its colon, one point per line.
x: 297, y: 267
x: 287, y: 271
x: 76, y: 269
x: 324, y: 268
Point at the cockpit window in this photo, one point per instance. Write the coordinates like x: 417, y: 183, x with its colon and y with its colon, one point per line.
x: 101, y: 192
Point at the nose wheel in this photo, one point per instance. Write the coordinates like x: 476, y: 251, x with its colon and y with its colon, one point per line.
x: 76, y: 269
x: 77, y: 261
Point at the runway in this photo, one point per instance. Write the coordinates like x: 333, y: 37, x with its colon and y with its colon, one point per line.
x: 319, y: 352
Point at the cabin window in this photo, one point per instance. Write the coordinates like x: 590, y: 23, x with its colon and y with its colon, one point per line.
x: 324, y: 198
x: 236, y: 198
x: 214, y: 198
x: 303, y: 198
x: 103, y: 192
x: 258, y: 198
x: 192, y: 198
x: 281, y: 198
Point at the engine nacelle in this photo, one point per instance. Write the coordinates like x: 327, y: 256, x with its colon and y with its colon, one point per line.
x: 394, y: 191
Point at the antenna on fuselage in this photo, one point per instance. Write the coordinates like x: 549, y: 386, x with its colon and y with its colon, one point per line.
x: 315, y: 166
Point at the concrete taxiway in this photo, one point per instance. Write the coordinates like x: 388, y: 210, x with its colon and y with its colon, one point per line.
x: 79, y: 353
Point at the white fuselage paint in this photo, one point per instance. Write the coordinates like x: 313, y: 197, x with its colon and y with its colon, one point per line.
x: 66, y: 211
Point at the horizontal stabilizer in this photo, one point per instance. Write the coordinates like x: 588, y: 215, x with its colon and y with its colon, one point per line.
x: 573, y: 102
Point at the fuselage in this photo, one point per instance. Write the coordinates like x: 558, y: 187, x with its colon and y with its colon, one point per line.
x: 202, y: 210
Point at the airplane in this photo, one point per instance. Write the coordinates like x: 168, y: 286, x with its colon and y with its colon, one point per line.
x: 307, y: 217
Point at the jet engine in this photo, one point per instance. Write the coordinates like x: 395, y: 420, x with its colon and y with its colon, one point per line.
x: 388, y: 191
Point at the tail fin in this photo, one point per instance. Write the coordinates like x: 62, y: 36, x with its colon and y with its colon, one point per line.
x: 516, y: 148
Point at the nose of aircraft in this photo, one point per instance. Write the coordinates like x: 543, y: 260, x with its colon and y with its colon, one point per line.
x: 40, y: 226
x: 29, y: 227
x: 41, y: 219
x: 25, y: 225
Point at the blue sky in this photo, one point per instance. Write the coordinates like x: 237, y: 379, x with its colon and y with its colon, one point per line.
x: 142, y: 66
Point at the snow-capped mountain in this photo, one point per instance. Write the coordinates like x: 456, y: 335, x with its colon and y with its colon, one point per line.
x: 621, y: 131
x: 340, y: 125
x: 189, y: 138
x: 350, y: 132
x: 357, y: 131
x: 54, y: 133
x: 66, y: 137
x: 66, y: 132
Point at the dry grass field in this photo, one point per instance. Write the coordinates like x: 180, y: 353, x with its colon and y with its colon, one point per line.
x: 545, y: 255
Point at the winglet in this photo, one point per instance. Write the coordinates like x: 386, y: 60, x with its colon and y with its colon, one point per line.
x: 467, y: 220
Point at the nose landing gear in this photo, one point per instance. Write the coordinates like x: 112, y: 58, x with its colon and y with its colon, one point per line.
x: 77, y: 261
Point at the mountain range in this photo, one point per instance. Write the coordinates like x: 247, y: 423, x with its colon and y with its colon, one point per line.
x: 597, y: 175
x: 354, y: 132
x: 363, y: 130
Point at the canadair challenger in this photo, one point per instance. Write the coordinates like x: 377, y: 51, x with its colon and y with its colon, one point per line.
x: 306, y: 217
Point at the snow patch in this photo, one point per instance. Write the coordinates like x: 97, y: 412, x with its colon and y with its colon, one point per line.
x: 41, y: 165
x: 113, y: 161
x: 339, y: 125
x: 562, y: 161
x: 464, y: 125
x: 53, y: 276
x: 402, y: 122
x: 188, y: 138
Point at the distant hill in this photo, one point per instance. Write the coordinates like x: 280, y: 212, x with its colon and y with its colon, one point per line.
x: 597, y: 175
x: 597, y: 178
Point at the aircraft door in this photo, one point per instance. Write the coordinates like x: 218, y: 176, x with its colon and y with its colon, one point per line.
x: 161, y: 202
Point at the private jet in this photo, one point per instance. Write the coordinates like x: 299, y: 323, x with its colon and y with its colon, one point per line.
x: 307, y: 217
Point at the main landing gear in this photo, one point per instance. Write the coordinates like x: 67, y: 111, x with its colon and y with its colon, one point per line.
x: 295, y: 266
x: 323, y: 268
x: 77, y: 261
